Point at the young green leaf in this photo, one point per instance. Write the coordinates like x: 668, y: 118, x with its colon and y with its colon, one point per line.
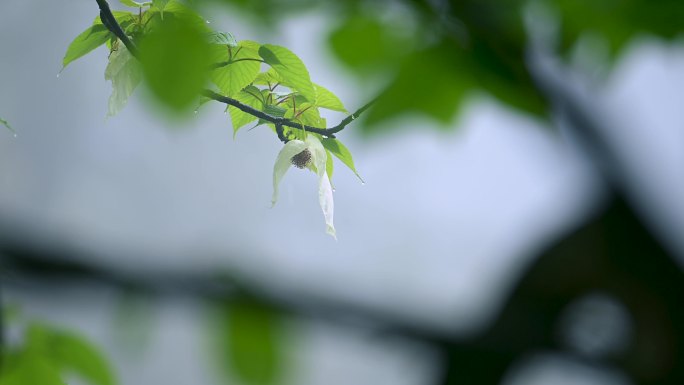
x: 269, y: 78
x: 306, y: 114
x: 341, y: 152
x: 290, y: 68
x: 88, y: 40
x: 328, y: 100
x: 240, y: 118
x: 222, y: 38
x: 125, y: 74
x: 240, y: 70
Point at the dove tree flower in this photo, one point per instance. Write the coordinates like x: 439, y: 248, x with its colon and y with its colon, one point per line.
x: 311, y: 154
x: 263, y: 83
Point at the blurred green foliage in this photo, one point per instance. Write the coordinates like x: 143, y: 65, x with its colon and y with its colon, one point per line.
x: 5, y: 123
x: 48, y: 355
x: 175, y: 58
x: 457, y: 46
x: 250, y: 342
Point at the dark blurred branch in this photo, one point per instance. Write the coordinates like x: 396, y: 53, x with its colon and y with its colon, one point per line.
x: 113, y: 26
x: 27, y: 266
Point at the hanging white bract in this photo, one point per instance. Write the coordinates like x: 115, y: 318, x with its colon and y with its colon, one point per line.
x: 311, y: 154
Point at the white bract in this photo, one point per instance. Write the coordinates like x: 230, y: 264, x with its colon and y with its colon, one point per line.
x: 316, y: 164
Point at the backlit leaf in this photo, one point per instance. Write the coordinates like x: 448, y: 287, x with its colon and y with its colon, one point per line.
x: 85, y: 42
x: 241, y: 72
x: 222, y: 38
x: 290, y: 68
x: 125, y: 74
x: 341, y: 152
x: 269, y: 78
x: 240, y: 118
x: 328, y: 100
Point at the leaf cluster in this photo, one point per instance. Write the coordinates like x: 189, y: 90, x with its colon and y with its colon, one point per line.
x: 179, y: 54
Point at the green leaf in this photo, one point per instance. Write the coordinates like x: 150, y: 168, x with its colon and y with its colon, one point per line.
x: 179, y: 10
x: 125, y: 74
x: 73, y: 353
x: 290, y: 68
x: 341, y: 152
x: 160, y: 5
x: 132, y: 4
x: 618, y: 22
x: 307, y: 114
x: 85, y: 42
x: 276, y: 111
x: 7, y: 125
x: 269, y: 78
x: 122, y: 17
x: 253, y: 339
x: 223, y: 38
x: 28, y: 368
x: 328, y: 100
x: 433, y: 82
x: 237, y: 75
x: 364, y: 42
x: 175, y: 60
x: 240, y: 118
x: 329, y: 167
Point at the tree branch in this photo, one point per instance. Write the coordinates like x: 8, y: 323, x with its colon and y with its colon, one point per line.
x: 113, y: 26
x: 328, y: 132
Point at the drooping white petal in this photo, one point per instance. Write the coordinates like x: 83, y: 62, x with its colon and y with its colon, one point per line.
x: 318, y: 154
x: 283, y: 163
x: 325, y: 199
x: 319, y: 159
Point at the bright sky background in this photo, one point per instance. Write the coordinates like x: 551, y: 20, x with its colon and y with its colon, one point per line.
x: 438, y: 234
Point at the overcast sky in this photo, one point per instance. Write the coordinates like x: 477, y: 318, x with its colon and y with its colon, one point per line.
x: 437, y: 234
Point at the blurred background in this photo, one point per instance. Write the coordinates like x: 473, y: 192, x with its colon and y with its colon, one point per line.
x: 521, y: 221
